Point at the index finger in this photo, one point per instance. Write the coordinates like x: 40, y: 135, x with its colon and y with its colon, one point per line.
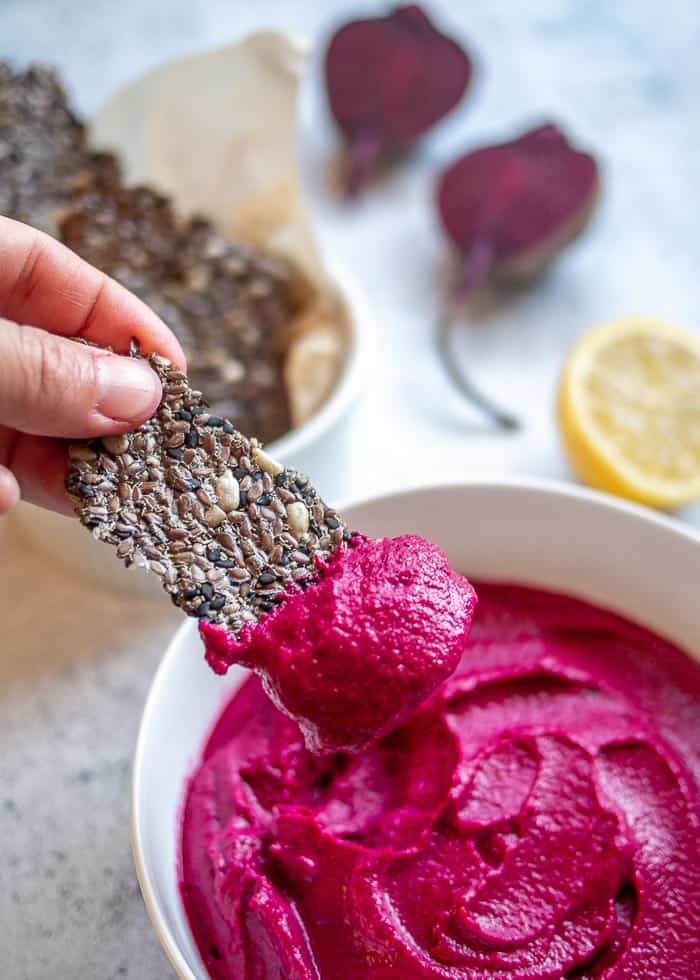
x: 46, y: 285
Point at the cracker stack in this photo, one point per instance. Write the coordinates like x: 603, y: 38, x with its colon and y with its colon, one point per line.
x: 230, y: 307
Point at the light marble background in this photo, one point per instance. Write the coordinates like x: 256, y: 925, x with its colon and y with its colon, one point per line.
x: 75, y: 662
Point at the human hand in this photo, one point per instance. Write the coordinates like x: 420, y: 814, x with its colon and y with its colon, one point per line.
x: 52, y: 388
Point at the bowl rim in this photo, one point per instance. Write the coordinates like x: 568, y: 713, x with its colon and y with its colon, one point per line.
x: 547, y: 487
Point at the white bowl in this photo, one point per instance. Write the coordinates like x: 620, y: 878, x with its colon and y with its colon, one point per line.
x: 615, y: 554
x: 306, y: 447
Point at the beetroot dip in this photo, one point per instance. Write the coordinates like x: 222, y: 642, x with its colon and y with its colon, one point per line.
x: 354, y: 654
x: 537, y: 817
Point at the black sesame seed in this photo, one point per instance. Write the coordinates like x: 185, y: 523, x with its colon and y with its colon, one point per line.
x: 195, y: 483
x: 332, y: 523
x: 281, y: 479
x: 190, y: 593
x: 228, y: 428
x: 192, y: 439
x: 207, y: 590
x: 215, y: 422
x: 196, y: 410
x: 218, y: 602
x: 213, y: 552
x: 174, y: 453
x: 266, y: 578
x: 87, y: 491
x: 184, y: 415
x: 264, y: 499
x: 244, y: 498
x: 239, y: 472
x: 226, y: 563
x: 203, y: 610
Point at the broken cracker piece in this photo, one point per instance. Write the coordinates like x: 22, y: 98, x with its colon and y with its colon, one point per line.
x: 313, y: 365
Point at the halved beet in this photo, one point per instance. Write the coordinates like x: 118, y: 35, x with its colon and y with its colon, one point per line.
x: 509, y: 209
x: 389, y: 79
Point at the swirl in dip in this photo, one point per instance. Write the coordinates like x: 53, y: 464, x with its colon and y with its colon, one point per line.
x: 537, y: 817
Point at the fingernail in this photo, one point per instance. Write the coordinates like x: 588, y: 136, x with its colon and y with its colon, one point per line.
x: 128, y: 390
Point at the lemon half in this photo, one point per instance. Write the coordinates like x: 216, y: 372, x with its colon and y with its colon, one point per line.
x: 629, y: 411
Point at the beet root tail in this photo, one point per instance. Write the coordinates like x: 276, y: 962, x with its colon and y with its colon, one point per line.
x: 362, y: 156
x: 501, y: 416
x: 476, y: 268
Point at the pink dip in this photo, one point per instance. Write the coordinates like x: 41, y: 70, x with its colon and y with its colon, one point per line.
x: 537, y: 817
x: 356, y: 653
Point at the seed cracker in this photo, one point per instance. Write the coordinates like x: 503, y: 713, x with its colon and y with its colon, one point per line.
x: 226, y: 527
x: 44, y: 157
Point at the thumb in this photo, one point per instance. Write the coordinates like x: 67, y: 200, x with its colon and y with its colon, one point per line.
x: 54, y: 387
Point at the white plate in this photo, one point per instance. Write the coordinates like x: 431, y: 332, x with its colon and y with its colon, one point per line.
x: 618, y: 555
